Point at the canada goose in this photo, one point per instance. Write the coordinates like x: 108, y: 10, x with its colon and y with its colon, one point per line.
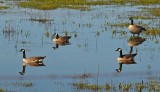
x: 135, y: 29
x: 127, y: 58
x: 32, y: 61
x: 58, y: 38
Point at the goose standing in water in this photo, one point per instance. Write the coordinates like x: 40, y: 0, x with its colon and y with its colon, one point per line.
x: 125, y: 59
x: 32, y: 61
x: 135, y: 29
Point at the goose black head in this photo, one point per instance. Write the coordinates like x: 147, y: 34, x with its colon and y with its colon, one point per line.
x: 22, y: 50
x: 56, y: 35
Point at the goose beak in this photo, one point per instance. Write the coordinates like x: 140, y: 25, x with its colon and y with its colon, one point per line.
x: 21, y: 50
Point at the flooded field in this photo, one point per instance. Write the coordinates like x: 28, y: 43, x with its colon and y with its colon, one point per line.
x: 88, y: 62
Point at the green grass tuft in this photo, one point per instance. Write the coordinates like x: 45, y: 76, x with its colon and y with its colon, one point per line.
x: 3, y: 7
x: 1, y: 90
x: 86, y: 86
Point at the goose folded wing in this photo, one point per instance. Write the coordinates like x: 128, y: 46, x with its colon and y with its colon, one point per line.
x: 65, y: 38
x: 139, y: 27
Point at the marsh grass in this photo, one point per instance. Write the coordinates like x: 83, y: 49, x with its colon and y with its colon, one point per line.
x: 78, y: 4
x: 121, y: 32
x: 12, y: 87
x: 78, y: 7
x: 41, y: 20
x: 119, y: 25
x: 146, y: 2
x: 125, y: 87
x: 52, y: 4
x: 83, y: 85
x: 152, y: 32
x: 2, y: 90
x: 47, y: 34
x: 3, y: 7
x: 82, y: 76
x: 155, y: 11
x: 142, y: 17
x: 75, y: 34
x: 66, y: 33
x: 23, y: 84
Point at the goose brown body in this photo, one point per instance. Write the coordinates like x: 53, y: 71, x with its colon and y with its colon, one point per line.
x: 58, y: 38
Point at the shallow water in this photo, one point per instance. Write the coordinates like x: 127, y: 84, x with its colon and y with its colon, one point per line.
x: 92, y: 51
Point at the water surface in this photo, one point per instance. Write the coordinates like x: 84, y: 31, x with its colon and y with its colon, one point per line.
x: 92, y: 51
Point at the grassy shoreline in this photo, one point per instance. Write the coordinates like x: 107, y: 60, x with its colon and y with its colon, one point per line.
x: 78, y: 4
x: 139, y: 86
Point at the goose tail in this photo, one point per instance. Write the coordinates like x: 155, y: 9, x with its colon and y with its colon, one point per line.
x: 43, y: 57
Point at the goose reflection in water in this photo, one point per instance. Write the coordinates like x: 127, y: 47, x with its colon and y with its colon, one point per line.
x: 125, y: 59
x: 135, y: 41
x: 32, y: 61
x: 59, y: 43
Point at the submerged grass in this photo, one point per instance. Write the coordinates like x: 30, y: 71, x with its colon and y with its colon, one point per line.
x: 78, y: 4
x: 23, y: 84
x: 155, y: 11
x: 41, y: 20
x: 119, y: 25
